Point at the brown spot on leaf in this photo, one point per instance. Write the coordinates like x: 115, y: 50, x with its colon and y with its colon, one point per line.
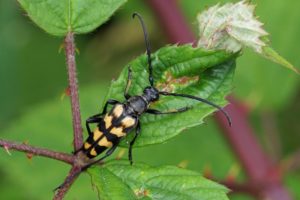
x: 171, y: 83
x: 141, y: 192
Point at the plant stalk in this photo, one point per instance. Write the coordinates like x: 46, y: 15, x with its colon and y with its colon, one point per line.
x: 73, y: 86
x: 70, y: 179
x: 67, y: 158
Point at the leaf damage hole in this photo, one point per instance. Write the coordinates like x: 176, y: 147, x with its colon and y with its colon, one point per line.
x: 141, y: 192
x: 171, y: 83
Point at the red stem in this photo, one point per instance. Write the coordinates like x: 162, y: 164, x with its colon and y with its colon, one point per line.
x: 71, y: 66
x: 244, y: 188
x: 241, y: 137
x: 244, y: 143
x: 76, y: 116
x: 73, y: 174
x: 67, y: 158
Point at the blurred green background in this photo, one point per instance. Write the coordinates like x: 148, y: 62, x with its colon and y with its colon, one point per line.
x: 33, y: 79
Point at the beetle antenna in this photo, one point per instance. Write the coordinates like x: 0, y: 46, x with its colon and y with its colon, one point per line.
x: 199, y: 99
x: 148, y: 48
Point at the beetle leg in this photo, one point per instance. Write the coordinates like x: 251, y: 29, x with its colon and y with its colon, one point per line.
x: 129, y: 78
x: 108, y: 153
x: 137, y: 132
x: 109, y: 102
x: 97, y: 118
x: 92, y: 120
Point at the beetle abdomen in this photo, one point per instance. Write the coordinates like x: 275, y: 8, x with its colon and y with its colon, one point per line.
x: 114, y: 126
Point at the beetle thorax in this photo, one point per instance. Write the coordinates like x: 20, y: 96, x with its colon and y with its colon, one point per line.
x: 138, y: 104
x: 151, y: 94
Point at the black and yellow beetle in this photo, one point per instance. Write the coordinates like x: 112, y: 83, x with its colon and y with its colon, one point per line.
x: 124, y: 116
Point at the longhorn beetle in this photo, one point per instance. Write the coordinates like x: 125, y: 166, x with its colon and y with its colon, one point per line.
x: 124, y: 117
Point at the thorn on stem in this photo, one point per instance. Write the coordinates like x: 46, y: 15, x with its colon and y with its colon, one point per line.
x: 183, y: 164
x: 61, y: 47
x: 67, y: 93
x: 207, y: 172
x: 233, y: 172
x: 29, y: 156
x: 7, y: 150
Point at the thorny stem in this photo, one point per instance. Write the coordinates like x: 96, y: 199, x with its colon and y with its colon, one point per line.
x: 70, y: 179
x: 71, y: 66
x: 67, y: 158
x: 271, y: 135
x: 77, y: 129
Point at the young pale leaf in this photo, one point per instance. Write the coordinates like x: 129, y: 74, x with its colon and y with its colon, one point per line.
x: 182, y: 69
x: 233, y: 26
x: 59, y: 17
x: 159, y: 183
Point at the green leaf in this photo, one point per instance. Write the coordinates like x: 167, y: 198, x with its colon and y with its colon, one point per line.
x: 181, y: 69
x: 272, y: 55
x: 79, y: 16
x: 164, y: 182
x: 109, y: 186
x: 291, y: 180
x: 49, y: 125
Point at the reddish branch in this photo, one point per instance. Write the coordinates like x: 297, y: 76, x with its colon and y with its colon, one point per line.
x: 241, y: 136
x: 67, y: 158
x: 77, y: 129
x: 244, y: 188
x: 71, y: 66
x: 73, y: 174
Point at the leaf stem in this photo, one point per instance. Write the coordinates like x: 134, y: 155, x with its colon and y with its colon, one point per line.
x: 67, y: 158
x: 71, y: 66
x: 76, y: 116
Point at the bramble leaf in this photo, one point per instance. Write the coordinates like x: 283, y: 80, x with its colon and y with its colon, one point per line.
x: 182, y: 69
x: 164, y: 182
x: 78, y: 16
x: 109, y: 186
x: 49, y: 125
x: 204, y: 73
x: 272, y: 55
